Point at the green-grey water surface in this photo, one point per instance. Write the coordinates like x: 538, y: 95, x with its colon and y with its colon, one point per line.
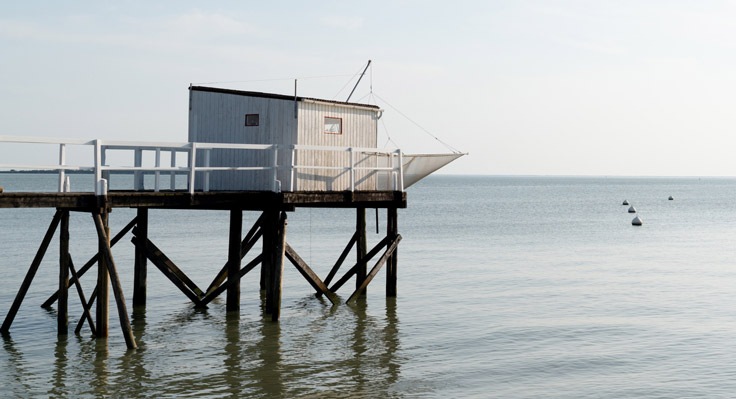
x: 509, y: 287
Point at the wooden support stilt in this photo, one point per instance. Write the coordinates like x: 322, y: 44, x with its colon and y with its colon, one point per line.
x: 273, y: 296
x: 267, y: 227
x: 141, y: 261
x: 220, y: 289
x: 86, y: 306
x: 31, y: 273
x: 233, y: 260
x: 102, y: 314
x: 91, y: 262
x: 373, y: 252
x: 392, y: 230
x: 62, y: 311
x: 103, y: 233
x: 389, y: 251
x: 308, y: 274
x: 360, y: 229
x: 87, y: 309
x: 340, y: 260
x: 245, y: 246
x: 169, y: 269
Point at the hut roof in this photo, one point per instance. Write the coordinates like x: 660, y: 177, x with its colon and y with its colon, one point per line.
x: 279, y: 96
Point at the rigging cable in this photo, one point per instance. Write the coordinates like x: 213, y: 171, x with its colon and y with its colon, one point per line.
x: 451, y: 148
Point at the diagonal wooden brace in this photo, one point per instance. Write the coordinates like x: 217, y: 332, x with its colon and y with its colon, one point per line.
x: 219, y: 290
x: 31, y: 273
x: 87, y: 308
x: 341, y: 259
x: 309, y: 274
x: 169, y: 269
x: 373, y: 252
x: 390, y: 250
x: 91, y: 262
x: 245, y: 246
x: 85, y: 305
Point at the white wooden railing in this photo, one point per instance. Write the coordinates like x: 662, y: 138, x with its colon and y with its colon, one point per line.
x: 102, y: 170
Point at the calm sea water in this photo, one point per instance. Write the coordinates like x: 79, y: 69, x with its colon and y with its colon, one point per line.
x: 509, y: 287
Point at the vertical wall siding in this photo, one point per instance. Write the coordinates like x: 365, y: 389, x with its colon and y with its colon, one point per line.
x: 358, y: 130
x: 220, y: 118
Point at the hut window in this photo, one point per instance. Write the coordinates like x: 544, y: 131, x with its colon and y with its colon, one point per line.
x: 333, y: 125
x: 251, y: 120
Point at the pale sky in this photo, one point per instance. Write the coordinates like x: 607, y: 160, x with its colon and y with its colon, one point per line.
x: 526, y: 87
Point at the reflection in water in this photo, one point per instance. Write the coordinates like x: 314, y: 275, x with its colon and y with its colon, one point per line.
x: 58, y: 386
x: 317, y: 350
x: 14, y: 365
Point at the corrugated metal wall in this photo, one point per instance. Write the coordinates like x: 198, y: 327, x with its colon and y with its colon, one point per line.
x: 358, y: 130
x: 216, y: 117
x: 220, y: 118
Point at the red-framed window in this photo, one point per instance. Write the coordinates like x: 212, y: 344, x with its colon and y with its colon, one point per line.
x: 333, y: 125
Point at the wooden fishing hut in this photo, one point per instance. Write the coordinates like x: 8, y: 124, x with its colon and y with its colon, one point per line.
x: 247, y: 151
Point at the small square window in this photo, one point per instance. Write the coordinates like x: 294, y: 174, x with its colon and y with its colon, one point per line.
x: 333, y: 125
x: 251, y: 120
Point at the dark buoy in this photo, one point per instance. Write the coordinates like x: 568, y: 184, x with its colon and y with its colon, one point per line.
x: 671, y: 198
x: 626, y: 202
x: 636, y: 221
x: 632, y: 209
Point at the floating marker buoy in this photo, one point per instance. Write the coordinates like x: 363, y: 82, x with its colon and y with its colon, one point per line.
x: 1, y: 189
x: 632, y: 209
x: 626, y: 202
x: 671, y: 198
x: 636, y: 221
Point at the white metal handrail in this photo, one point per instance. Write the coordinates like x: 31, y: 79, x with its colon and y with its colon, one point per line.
x: 102, y: 170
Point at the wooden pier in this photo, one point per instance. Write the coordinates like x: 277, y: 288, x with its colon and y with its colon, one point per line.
x: 270, y: 228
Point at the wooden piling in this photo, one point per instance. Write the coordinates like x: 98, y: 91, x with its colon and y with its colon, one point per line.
x: 141, y: 261
x: 62, y: 311
x: 103, y: 232
x: 233, y: 260
x: 360, y: 229
x: 267, y: 225
x: 102, y: 314
x: 31, y: 273
x: 392, y: 231
x: 277, y: 252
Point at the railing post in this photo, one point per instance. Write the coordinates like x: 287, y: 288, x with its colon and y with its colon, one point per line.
x: 206, y: 187
x: 62, y: 162
x: 352, y: 169
x: 98, y: 167
x: 192, y: 163
x: 138, y: 175
x: 275, y: 166
x: 173, y: 173
x: 401, y: 170
x: 292, y: 183
x: 157, y: 174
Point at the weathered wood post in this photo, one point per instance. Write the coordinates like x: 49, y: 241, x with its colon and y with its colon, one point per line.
x: 102, y: 314
x: 392, y: 230
x: 267, y: 243
x: 141, y: 261
x: 62, y: 312
x: 273, y: 295
x: 233, y: 260
x: 361, y: 249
